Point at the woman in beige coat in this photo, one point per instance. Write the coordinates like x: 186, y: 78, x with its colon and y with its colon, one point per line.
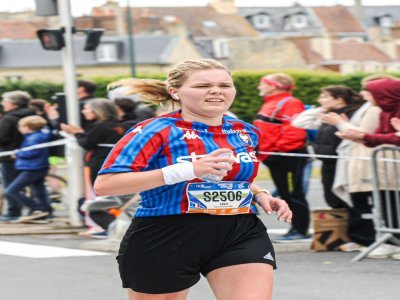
x: 353, y: 176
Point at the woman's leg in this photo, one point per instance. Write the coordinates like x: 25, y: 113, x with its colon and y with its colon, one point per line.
x: 182, y: 295
x: 252, y: 281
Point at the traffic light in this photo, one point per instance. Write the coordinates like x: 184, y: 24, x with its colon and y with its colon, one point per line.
x: 92, y: 38
x: 51, y: 39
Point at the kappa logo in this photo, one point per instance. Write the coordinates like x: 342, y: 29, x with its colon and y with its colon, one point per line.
x: 190, y: 135
x: 269, y: 256
x: 137, y: 129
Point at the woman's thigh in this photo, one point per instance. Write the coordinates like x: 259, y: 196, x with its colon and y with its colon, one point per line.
x: 242, y: 282
x: 182, y: 295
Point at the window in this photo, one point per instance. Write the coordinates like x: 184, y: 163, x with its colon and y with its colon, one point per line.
x: 209, y: 23
x: 221, y: 49
x: 107, y: 52
x: 386, y: 21
x: 261, y: 21
x: 299, y: 21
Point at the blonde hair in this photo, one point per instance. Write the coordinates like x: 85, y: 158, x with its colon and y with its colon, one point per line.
x: 157, y: 91
x: 34, y: 123
x: 373, y: 77
x: 283, y: 78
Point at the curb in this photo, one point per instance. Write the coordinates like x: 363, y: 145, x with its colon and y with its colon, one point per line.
x: 30, y: 229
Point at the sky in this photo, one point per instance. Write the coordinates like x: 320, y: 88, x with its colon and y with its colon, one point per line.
x: 80, y: 7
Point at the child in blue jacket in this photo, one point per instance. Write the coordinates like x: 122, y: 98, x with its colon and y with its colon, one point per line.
x: 33, y: 166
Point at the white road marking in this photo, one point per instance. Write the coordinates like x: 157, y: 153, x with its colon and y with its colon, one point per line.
x: 283, y: 231
x: 39, y: 251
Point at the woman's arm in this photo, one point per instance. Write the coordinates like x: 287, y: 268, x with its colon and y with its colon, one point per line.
x: 133, y: 182
x: 308, y: 119
x: 128, y: 183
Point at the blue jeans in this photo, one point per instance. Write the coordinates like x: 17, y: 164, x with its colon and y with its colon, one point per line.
x: 35, y: 179
x: 9, y: 173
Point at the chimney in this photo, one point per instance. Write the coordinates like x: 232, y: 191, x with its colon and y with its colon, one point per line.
x: 322, y: 46
x: 226, y: 7
x: 358, y: 10
x: 175, y: 26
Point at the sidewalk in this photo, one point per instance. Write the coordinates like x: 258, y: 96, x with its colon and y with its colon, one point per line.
x: 60, y: 226
x: 56, y: 226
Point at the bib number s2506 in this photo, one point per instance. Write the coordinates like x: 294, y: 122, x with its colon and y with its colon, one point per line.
x: 223, y: 198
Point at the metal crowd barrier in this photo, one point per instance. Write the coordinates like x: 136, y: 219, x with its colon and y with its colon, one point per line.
x: 386, y: 197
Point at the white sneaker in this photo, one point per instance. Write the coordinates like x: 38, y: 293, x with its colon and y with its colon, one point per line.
x: 396, y: 256
x: 351, y: 247
x: 35, y: 215
x: 384, y: 251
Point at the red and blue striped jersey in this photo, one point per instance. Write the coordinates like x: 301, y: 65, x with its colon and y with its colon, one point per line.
x: 166, y: 140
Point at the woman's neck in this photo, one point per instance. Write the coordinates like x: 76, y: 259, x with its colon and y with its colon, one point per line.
x: 192, y: 117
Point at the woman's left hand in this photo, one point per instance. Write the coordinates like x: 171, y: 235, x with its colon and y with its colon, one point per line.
x: 333, y: 118
x: 270, y: 204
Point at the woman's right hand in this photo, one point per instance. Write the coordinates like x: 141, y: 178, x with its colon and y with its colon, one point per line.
x: 214, y: 164
x: 395, y: 123
x: 71, y: 128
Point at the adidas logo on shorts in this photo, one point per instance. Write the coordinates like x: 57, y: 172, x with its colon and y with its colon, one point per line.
x: 269, y: 256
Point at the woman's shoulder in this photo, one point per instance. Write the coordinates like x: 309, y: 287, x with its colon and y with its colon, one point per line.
x: 246, y: 126
x: 156, y: 124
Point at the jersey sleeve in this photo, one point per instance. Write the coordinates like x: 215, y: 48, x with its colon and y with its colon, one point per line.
x: 137, y: 148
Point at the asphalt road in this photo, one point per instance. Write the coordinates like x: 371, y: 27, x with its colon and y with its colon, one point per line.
x: 300, y: 275
x: 31, y: 273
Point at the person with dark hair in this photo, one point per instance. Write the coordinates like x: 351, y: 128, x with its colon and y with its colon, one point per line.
x: 130, y: 108
x: 86, y: 89
x: 16, y: 106
x: 278, y: 135
x: 47, y: 111
x: 194, y: 168
x: 339, y: 100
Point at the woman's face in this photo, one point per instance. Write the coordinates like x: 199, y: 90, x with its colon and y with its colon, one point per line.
x: 367, y: 96
x: 265, y: 89
x: 88, y: 113
x: 8, y: 105
x: 207, y: 93
x: 328, y: 102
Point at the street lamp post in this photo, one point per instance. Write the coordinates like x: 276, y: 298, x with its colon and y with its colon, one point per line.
x: 130, y: 39
x: 73, y: 151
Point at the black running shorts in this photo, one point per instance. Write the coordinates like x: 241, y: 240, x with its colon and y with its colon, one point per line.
x: 167, y: 254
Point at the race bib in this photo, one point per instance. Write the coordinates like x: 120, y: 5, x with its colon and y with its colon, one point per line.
x: 223, y: 198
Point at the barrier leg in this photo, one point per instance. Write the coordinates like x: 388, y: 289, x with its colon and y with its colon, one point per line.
x: 378, y: 242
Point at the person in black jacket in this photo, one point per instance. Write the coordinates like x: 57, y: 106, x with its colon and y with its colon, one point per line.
x: 86, y: 89
x: 130, y: 108
x: 340, y: 100
x: 15, y: 106
x: 105, y: 131
x: 343, y: 101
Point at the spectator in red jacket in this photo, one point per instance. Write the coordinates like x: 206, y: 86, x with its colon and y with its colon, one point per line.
x: 278, y: 135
